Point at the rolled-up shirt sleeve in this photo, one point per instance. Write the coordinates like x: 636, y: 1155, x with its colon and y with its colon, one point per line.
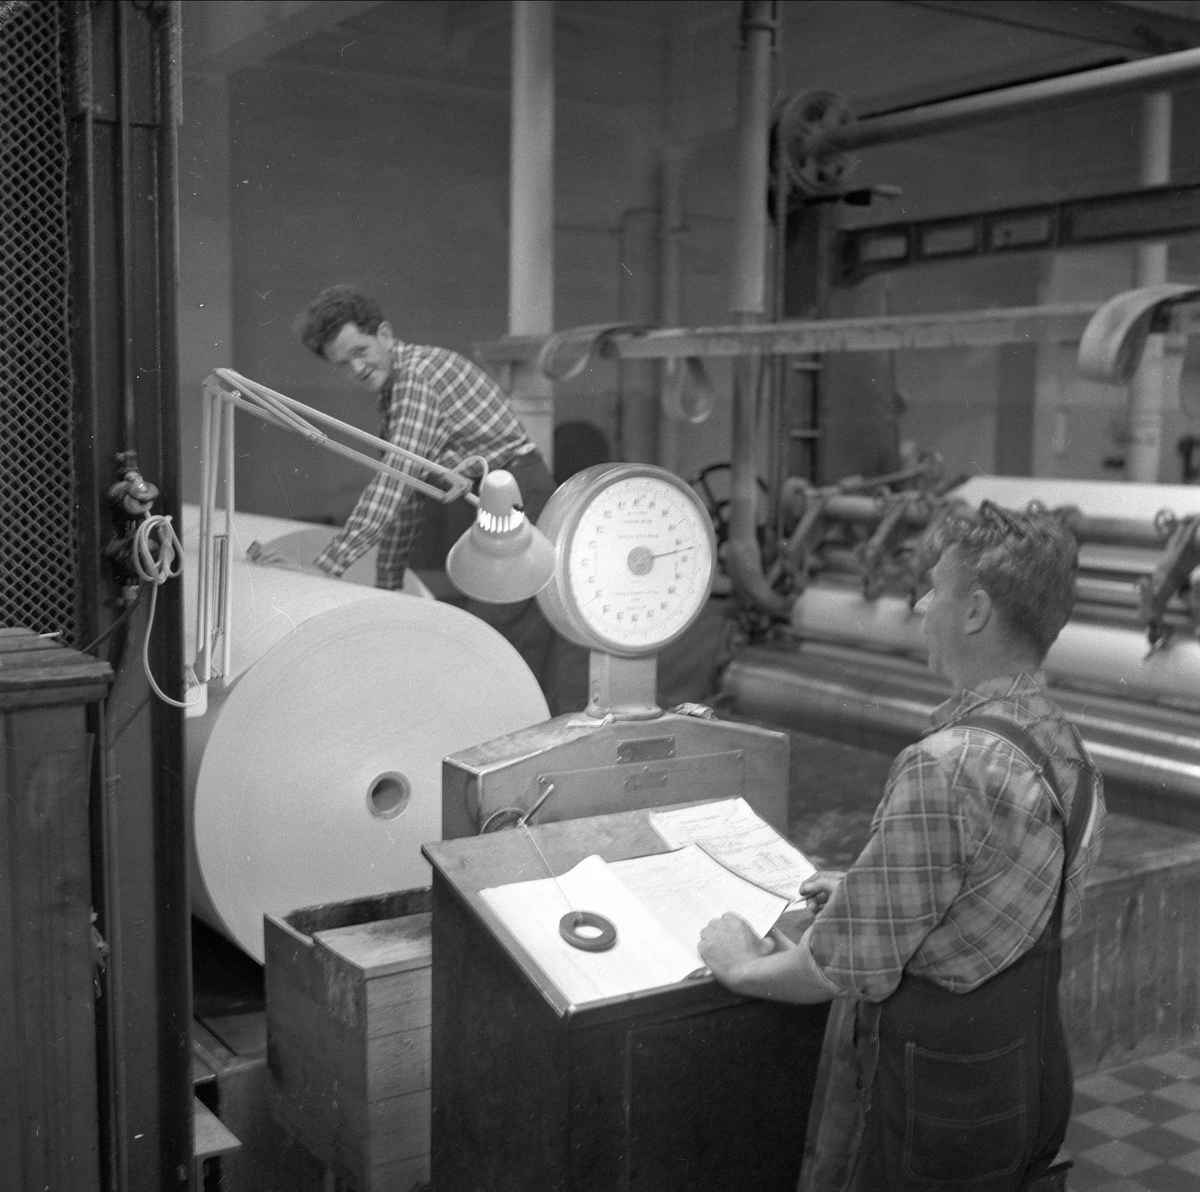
x: 389, y: 511
x: 901, y: 885
x: 388, y: 506
x: 441, y: 407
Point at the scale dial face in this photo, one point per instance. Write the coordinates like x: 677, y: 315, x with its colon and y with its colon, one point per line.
x: 634, y: 558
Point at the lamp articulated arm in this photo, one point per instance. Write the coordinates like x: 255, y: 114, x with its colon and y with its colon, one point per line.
x: 292, y: 415
x: 500, y: 529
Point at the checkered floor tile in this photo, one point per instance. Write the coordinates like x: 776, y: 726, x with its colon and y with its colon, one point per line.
x: 1137, y: 1128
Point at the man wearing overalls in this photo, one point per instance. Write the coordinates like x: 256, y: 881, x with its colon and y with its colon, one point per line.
x: 945, y: 1062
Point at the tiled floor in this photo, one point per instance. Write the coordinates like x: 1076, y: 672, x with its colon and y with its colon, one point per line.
x: 1136, y: 1128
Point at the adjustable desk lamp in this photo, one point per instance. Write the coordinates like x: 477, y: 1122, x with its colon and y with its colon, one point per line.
x: 500, y: 559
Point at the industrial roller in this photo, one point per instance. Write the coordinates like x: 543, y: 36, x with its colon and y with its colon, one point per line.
x: 850, y: 663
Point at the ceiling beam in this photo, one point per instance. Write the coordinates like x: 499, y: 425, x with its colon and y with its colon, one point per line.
x: 1101, y: 22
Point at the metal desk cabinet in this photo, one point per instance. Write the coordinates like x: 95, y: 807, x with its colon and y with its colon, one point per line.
x: 687, y: 1086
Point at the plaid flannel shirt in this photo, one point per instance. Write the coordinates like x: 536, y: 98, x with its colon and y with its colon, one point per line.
x: 442, y: 407
x: 963, y: 865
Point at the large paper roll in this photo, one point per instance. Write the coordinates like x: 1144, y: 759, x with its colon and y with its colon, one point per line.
x: 315, y: 776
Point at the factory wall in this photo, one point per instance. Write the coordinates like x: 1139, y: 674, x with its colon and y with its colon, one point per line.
x: 335, y: 172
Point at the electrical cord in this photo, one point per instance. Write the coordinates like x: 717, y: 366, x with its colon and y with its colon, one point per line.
x: 125, y: 615
x: 158, y: 557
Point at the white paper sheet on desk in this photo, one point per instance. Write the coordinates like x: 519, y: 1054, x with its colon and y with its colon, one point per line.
x: 658, y: 905
x: 739, y: 839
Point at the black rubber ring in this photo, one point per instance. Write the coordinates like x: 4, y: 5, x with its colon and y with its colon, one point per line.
x: 572, y: 921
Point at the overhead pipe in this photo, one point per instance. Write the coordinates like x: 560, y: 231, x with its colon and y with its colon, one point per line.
x: 1146, y: 74
x: 748, y: 300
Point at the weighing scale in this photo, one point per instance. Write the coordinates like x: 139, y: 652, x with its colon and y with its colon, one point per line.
x: 634, y: 560
x: 686, y: 1085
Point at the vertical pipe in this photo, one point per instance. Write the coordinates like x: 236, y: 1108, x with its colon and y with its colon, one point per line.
x: 671, y: 229
x: 82, y: 300
x: 124, y: 232
x: 749, y: 297
x: 670, y: 303
x: 1148, y: 390
x: 531, y: 208
x: 638, y: 289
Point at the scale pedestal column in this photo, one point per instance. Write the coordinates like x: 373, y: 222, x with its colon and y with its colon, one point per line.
x: 624, y: 688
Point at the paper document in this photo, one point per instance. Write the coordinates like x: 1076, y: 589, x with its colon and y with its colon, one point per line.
x: 658, y: 904
x: 732, y: 833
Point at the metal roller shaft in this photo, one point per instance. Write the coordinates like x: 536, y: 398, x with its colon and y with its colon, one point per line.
x: 1149, y: 755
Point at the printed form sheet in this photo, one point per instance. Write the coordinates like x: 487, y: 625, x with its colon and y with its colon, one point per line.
x: 658, y: 904
x: 735, y: 835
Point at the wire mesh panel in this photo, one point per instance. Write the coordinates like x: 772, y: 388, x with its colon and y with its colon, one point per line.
x: 37, y: 489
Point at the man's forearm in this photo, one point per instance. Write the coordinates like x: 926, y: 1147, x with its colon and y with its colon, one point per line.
x: 785, y: 975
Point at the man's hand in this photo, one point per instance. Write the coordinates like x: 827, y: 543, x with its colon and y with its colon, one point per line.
x: 757, y: 968
x: 726, y: 943
x: 270, y: 556
x: 816, y: 890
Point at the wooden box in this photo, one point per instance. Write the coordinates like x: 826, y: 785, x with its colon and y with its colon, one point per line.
x: 348, y: 1036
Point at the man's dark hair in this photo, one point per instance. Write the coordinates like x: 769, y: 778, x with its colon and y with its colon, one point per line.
x: 1024, y: 560
x: 331, y: 310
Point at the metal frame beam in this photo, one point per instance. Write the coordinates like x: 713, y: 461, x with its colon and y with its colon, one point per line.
x: 1031, y: 324
x: 1063, y: 323
x: 1150, y: 213
x: 122, y: 183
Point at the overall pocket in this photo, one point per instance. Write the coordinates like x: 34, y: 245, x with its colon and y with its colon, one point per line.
x: 965, y: 1114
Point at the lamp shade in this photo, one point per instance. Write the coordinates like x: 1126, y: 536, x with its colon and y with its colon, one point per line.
x: 502, y: 558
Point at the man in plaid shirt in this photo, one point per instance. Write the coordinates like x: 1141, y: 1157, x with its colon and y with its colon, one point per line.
x: 440, y: 406
x: 945, y: 1062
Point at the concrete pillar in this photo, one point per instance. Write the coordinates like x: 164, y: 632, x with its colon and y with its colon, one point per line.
x: 531, y: 209
x: 1150, y: 390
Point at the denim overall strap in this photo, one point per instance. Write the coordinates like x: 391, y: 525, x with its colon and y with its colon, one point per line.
x: 1024, y: 741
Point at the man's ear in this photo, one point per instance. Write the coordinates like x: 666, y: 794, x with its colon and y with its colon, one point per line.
x: 979, y: 611
x: 385, y: 334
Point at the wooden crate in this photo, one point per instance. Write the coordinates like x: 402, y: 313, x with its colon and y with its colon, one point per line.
x: 348, y: 1025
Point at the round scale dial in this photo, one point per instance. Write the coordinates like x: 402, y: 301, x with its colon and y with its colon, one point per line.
x: 634, y: 554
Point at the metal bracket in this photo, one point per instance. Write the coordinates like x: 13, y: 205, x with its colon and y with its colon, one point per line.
x: 1170, y: 576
